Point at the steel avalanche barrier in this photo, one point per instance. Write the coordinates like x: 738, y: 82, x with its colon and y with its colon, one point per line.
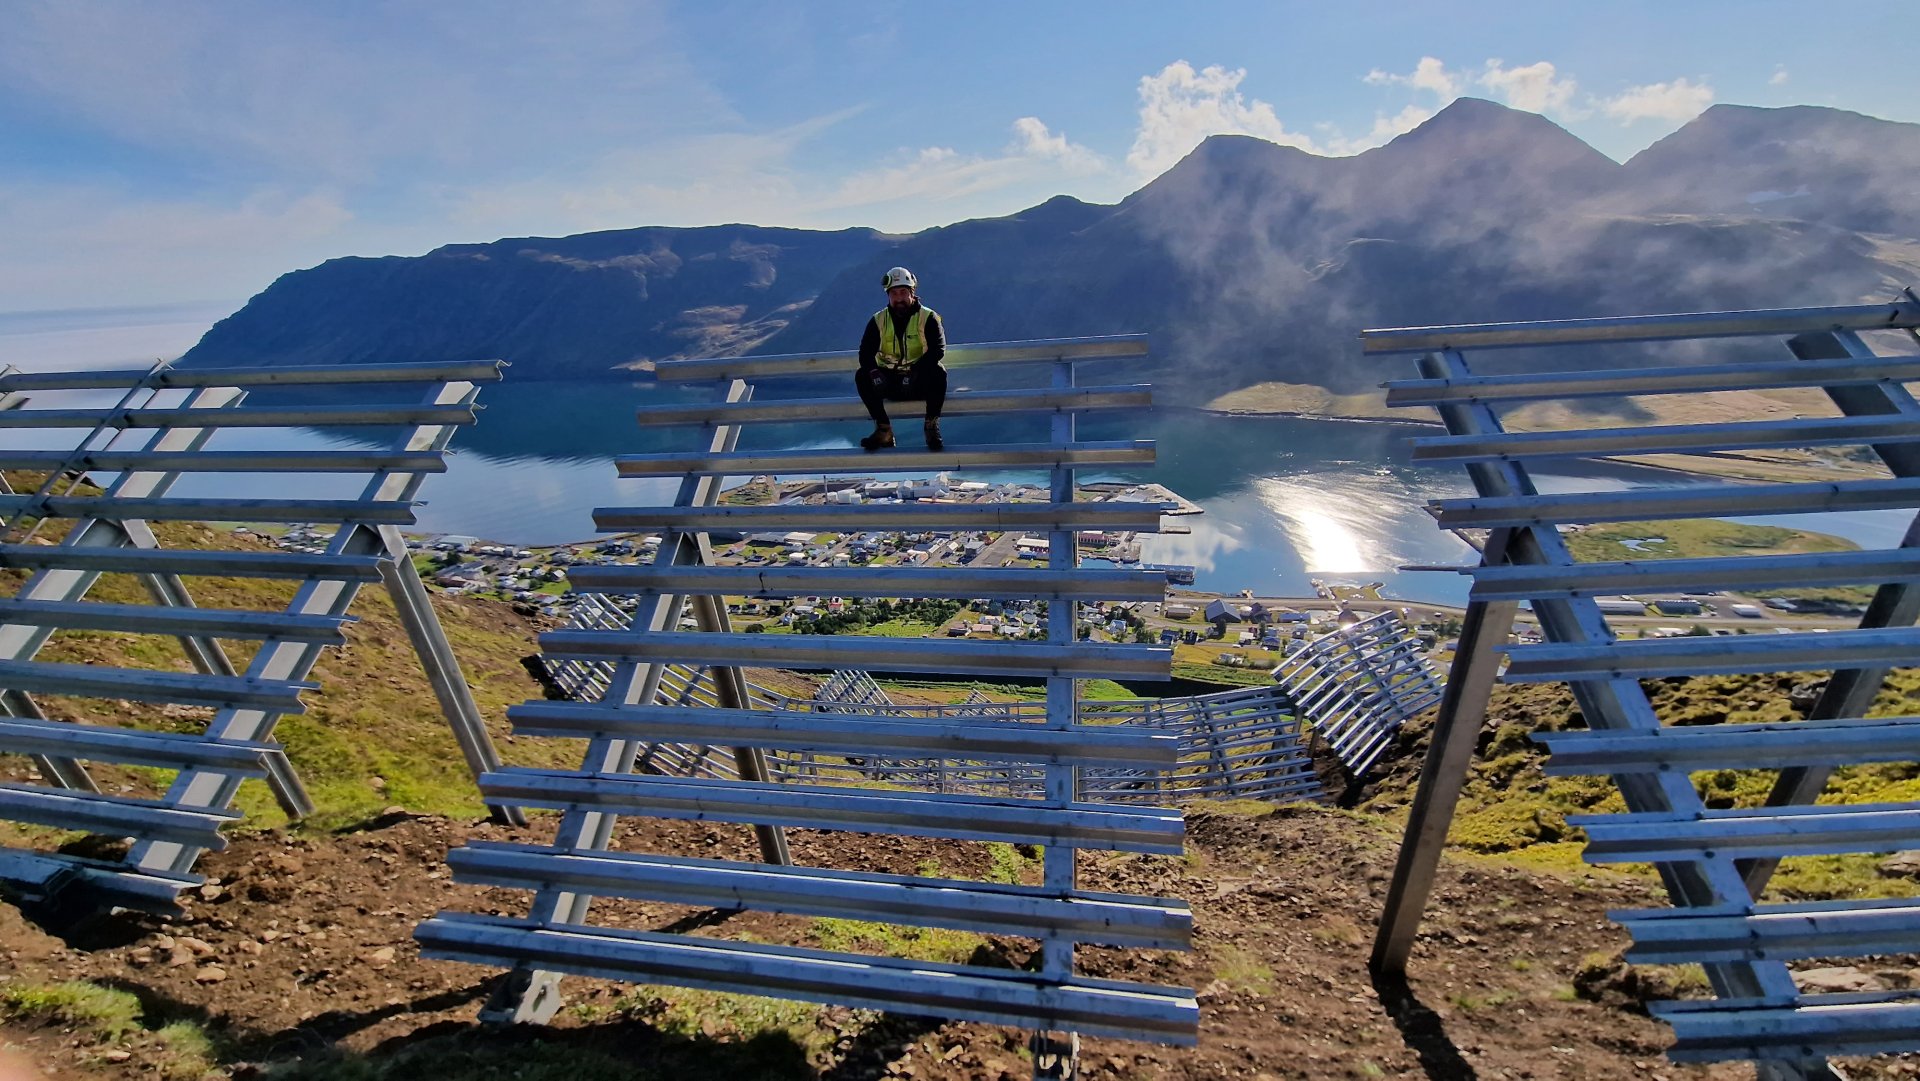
x: 555, y: 937
x: 1715, y: 863
x: 148, y: 437
x: 1357, y: 686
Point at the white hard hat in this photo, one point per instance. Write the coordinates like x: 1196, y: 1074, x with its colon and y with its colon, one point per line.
x: 899, y: 276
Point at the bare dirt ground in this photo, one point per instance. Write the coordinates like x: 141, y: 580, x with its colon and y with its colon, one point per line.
x: 298, y: 963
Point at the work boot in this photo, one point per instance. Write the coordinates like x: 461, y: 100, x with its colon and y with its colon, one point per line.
x: 881, y: 439
x: 933, y: 434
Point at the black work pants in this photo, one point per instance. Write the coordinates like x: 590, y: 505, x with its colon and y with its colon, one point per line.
x: 922, y: 382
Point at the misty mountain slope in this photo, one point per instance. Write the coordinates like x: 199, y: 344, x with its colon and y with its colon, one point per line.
x: 1804, y: 162
x: 1247, y: 262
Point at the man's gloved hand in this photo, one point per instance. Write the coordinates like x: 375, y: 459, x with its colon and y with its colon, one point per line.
x: 876, y: 375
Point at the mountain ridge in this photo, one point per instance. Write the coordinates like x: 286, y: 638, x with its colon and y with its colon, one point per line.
x: 1246, y: 262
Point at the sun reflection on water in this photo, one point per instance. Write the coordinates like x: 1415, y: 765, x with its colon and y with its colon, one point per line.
x: 1339, y: 523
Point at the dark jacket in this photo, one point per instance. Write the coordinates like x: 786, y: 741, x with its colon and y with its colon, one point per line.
x: 936, y: 338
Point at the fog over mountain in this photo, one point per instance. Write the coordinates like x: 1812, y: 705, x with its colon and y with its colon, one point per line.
x: 1246, y: 262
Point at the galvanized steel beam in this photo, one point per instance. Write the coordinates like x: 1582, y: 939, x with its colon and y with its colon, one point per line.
x: 1838, y: 742
x: 1775, y: 322
x: 777, y: 462
x: 1075, y: 350
x: 992, y: 908
x: 156, y: 619
x: 147, y: 685
x: 931, y: 736
x: 178, y: 561
x: 1622, y: 382
x: 1666, y: 439
x: 113, y: 816
x: 1740, y: 573
x: 938, y: 517
x: 1695, y: 655
x: 1126, y: 829
x: 994, y: 996
x: 1090, y: 660
x: 965, y: 404
x: 221, y: 461
x: 131, y: 746
x: 473, y: 371
x: 1661, y: 504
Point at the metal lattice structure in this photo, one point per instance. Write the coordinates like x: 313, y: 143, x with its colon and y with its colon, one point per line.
x: 1239, y: 744
x: 147, y: 430
x: 1714, y: 863
x: 1358, y: 685
x: 555, y: 936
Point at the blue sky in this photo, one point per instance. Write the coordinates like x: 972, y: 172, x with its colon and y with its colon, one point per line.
x: 158, y: 153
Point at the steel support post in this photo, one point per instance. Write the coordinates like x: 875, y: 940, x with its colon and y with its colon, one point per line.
x: 415, y: 609
x: 1456, y: 733
x: 1849, y: 692
x: 19, y: 641
x: 530, y: 995
x: 1056, y: 1055
x: 1617, y: 704
x: 281, y: 659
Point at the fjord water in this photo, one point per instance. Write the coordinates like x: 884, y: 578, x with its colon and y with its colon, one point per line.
x: 1287, y: 500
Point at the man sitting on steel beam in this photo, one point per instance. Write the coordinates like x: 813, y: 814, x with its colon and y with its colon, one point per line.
x: 900, y: 356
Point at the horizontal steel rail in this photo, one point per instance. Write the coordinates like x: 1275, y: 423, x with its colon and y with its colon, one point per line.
x: 132, y: 746
x: 1127, y: 829
x: 994, y: 996
x: 957, y: 582
x: 1696, y: 656
x: 1642, y: 328
x: 1108, y: 347
x: 175, y: 620
x: 932, y: 736
x: 114, y: 816
x: 1782, y: 932
x: 306, y: 416
x: 45, y: 877
x: 1023, y: 911
x: 935, y: 517
x: 146, y: 685
x: 1689, y: 748
x: 1741, y: 573
x: 1853, y: 1024
x: 165, y: 509
x: 1661, y: 504
x: 297, y: 565
x: 1087, y: 660
x: 999, y: 456
x: 225, y: 461
x: 472, y: 371
x: 1666, y: 439
x: 1621, y: 382
x: 1760, y: 832
x: 958, y: 404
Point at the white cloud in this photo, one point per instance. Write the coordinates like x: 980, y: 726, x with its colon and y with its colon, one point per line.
x: 1536, y: 88
x: 1429, y: 74
x: 1180, y: 106
x: 751, y: 178
x: 1677, y: 102
x: 1779, y: 77
x: 1033, y: 139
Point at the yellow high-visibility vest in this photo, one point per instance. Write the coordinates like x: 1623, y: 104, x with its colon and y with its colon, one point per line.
x: 891, y: 354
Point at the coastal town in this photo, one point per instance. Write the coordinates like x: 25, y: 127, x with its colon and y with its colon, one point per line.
x: 1221, y: 631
